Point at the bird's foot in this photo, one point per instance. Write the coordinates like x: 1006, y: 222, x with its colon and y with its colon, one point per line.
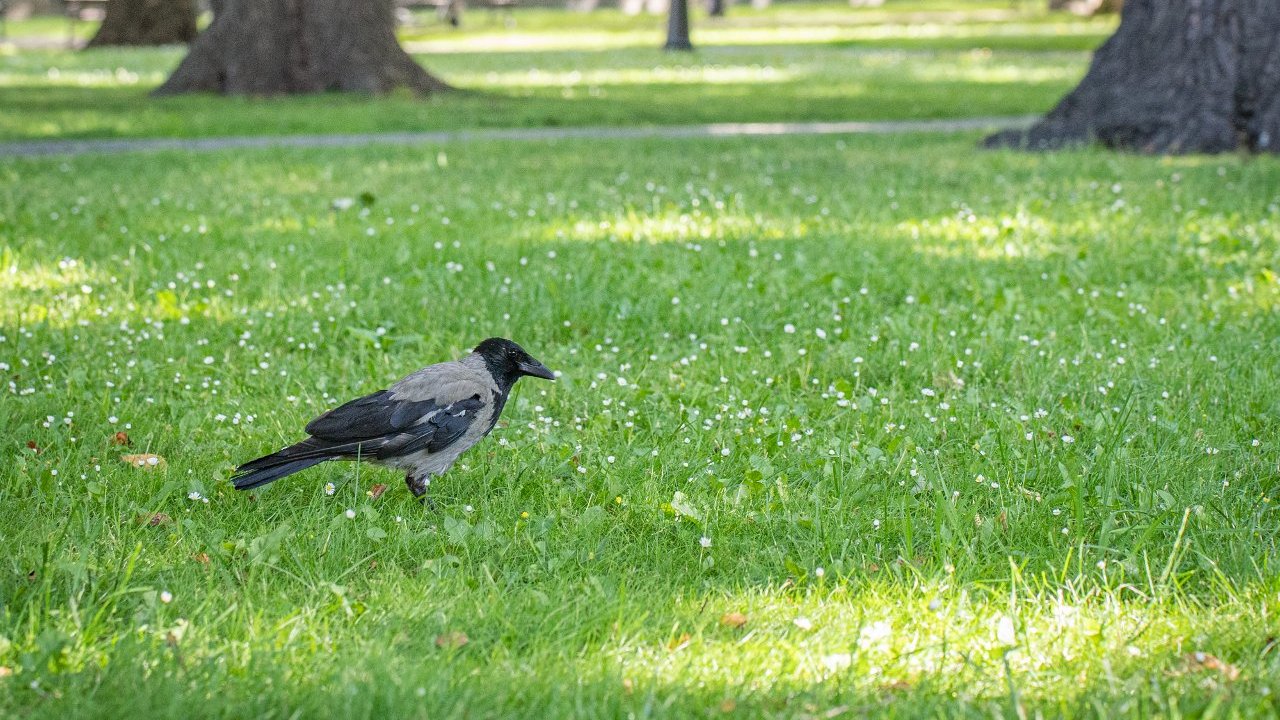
x: 418, y: 486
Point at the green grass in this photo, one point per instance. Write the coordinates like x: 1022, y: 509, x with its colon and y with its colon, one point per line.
x: 915, y: 61
x: 879, y: 351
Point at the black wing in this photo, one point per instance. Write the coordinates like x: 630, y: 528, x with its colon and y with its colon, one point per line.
x: 440, y: 431
x: 372, y: 416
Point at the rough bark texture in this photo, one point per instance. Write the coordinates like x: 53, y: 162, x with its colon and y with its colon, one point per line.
x: 1179, y: 76
x: 271, y: 47
x: 147, y: 22
x: 678, y: 27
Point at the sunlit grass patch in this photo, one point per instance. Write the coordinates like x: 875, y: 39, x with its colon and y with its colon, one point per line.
x: 906, y: 61
x: 865, y: 425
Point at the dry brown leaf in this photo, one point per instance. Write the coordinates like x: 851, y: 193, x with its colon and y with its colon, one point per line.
x: 1003, y: 519
x: 376, y: 491
x: 452, y: 639
x: 31, y: 445
x: 898, y: 685
x: 153, y: 519
x: 734, y: 620
x: 121, y: 438
x: 1205, y: 661
x: 145, y: 461
x: 202, y: 558
x: 678, y: 643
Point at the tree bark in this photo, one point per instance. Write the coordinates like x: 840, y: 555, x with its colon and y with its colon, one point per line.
x: 678, y: 27
x: 716, y: 8
x: 1178, y: 76
x: 147, y: 22
x: 271, y: 47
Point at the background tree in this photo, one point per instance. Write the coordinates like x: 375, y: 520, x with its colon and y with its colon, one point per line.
x: 716, y: 8
x: 147, y: 22
x: 267, y: 47
x: 678, y: 27
x: 1178, y: 76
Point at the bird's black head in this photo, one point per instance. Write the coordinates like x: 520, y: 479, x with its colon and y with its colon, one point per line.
x: 508, y: 362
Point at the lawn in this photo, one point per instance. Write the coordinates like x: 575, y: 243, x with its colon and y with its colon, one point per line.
x: 909, y: 60
x: 846, y: 427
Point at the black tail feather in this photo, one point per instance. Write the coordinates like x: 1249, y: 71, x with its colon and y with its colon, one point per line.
x: 248, y: 480
x: 292, y: 459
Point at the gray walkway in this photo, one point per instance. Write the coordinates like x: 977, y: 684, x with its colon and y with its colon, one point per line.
x: 35, y: 148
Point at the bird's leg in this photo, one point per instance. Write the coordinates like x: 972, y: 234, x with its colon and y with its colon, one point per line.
x: 418, y: 486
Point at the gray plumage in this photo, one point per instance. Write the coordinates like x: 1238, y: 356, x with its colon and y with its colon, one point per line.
x: 420, y: 425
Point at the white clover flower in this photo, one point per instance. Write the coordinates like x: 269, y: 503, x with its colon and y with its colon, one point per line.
x: 704, y: 541
x: 166, y: 597
x: 351, y: 514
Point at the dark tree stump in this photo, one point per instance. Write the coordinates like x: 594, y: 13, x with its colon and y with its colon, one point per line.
x: 271, y: 47
x: 678, y: 27
x: 146, y: 22
x: 1178, y: 76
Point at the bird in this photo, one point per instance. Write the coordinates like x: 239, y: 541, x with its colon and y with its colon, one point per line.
x: 420, y: 425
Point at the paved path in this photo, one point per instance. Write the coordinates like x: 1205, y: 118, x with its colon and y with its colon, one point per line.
x: 33, y: 148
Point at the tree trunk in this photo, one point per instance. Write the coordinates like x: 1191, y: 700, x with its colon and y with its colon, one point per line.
x: 678, y: 27
x: 1179, y: 76
x: 147, y: 22
x: 270, y: 47
x: 23, y: 9
x: 716, y: 8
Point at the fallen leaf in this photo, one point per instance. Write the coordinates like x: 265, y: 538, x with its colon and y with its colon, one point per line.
x: 145, y: 461
x: 678, y: 643
x: 452, y: 639
x: 376, y: 491
x: 734, y: 620
x: 31, y: 445
x: 1003, y: 519
x: 896, y: 686
x: 202, y: 558
x: 121, y: 438
x: 153, y: 519
x: 1205, y: 661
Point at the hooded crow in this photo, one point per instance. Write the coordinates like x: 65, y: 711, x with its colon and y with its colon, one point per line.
x: 419, y: 425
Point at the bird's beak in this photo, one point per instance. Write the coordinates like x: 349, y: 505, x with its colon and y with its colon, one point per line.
x: 536, y: 369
